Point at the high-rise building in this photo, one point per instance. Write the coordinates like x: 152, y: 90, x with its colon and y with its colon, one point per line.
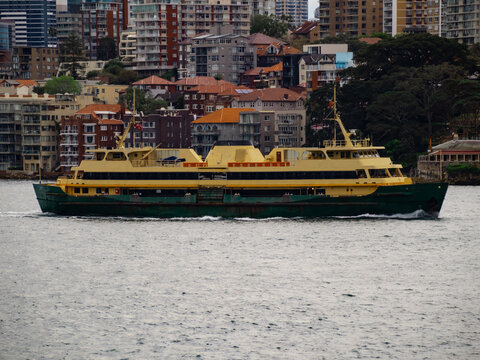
x: 157, y: 25
x: 68, y: 22
x: 102, y: 19
x: 350, y: 17
x: 262, y: 7
x: 462, y: 21
x: 199, y: 17
x: 411, y: 16
x: 296, y: 9
x: 74, y: 6
x: 33, y: 21
x: 228, y: 55
x: 7, y: 35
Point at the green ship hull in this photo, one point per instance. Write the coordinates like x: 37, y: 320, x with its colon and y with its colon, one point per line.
x: 386, y: 200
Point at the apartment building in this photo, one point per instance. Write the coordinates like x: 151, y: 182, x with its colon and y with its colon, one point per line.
x: 68, y: 22
x: 169, y: 127
x: 29, y: 129
x: 200, y: 16
x: 309, y: 31
x: 221, y: 125
x: 262, y: 7
x: 290, y: 116
x: 354, y: 18
x: 204, y: 99
x: 228, y: 55
x: 34, y: 63
x: 157, y: 25
x: 128, y: 47
x: 262, y: 77
x: 92, y: 127
x: 462, y: 20
x: 155, y: 85
x: 33, y: 20
x: 101, y: 19
x: 108, y: 94
x: 272, y: 54
x: 412, y: 16
x: 297, y: 10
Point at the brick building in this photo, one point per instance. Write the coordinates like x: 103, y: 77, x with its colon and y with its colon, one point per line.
x: 204, y: 99
x: 171, y: 128
x: 101, y: 19
x: 93, y: 127
x: 288, y: 106
x: 353, y: 18
x: 155, y: 85
x: 35, y: 63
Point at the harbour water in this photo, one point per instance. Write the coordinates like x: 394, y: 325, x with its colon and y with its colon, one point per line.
x: 342, y: 288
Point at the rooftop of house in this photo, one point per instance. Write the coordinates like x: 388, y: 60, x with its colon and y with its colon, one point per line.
x: 271, y: 94
x: 223, y: 89
x: 262, y: 39
x: 153, y: 80
x: 305, y: 28
x: 316, y: 58
x: 224, y: 116
x: 18, y: 83
x: 264, y: 70
x: 97, y: 110
x: 458, y: 145
x: 280, y: 49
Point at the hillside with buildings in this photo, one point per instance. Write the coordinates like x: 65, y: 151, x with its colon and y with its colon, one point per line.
x: 200, y: 75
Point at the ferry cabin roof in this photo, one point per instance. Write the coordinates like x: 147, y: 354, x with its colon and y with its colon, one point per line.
x: 236, y: 159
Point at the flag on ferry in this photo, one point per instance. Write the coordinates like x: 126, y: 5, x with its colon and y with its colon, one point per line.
x: 138, y: 126
x: 316, y: 127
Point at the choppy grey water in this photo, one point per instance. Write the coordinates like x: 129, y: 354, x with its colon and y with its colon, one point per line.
x: 110, y: 288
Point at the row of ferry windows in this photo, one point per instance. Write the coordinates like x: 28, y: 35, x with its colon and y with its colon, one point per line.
x: 285, y: 175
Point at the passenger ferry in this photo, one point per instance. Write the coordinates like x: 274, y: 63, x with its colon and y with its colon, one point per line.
x: 344, y: 177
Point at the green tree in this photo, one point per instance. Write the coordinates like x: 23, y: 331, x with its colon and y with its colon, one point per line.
x: 125, y: 77
x: 269, y: 25
x: 106, y: 49
x: 415, y: 50
x: 171, y: 74
x: 143, y: 101
x: 40, y: 90
x: 62, y: 85
x: 71, y: 52
x: 467, y: 108
x: 92, y: 74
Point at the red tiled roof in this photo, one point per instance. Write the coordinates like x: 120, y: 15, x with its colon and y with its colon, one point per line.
x: 305, y: 28
x: 225, y: 116
x: 263, y: 70
x: 262, y: 39
x: 276, y: 67
x: 22, y: 82
x: 254, y: 71
x: 283, y: 49
x: 153, y: 80
x: 271, y: 94
x: 90, y: 109
x: 93, y: 108
x: 233, y: 91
